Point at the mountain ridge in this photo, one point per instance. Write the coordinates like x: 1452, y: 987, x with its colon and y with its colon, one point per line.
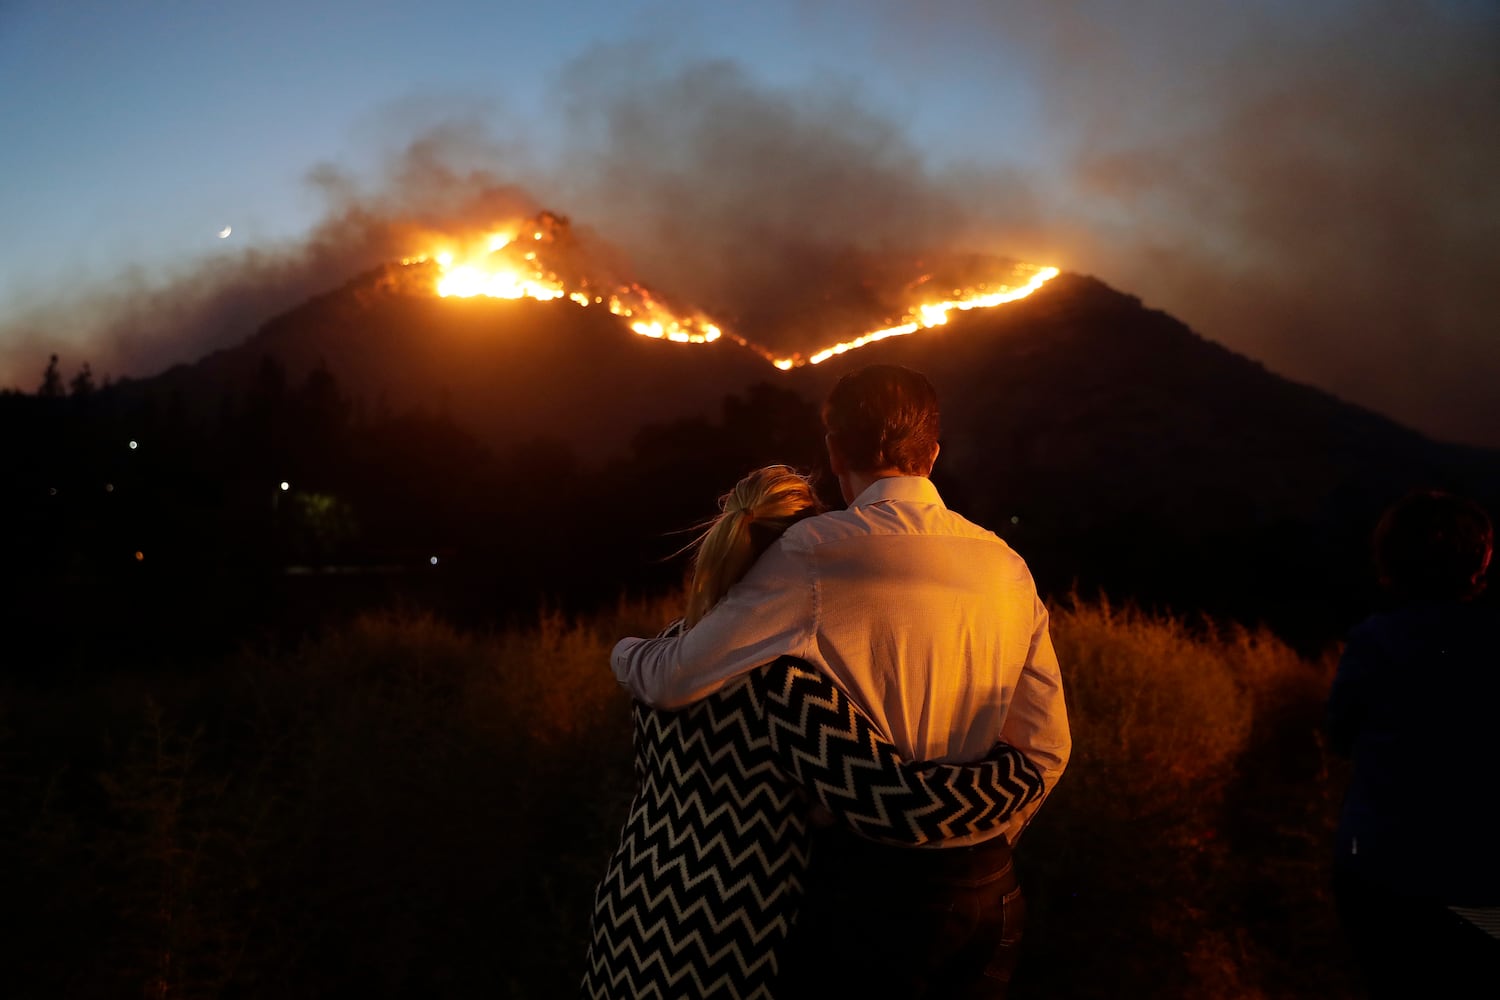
x: 1110, y: 443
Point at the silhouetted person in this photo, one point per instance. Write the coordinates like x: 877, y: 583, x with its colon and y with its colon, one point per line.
x: 1415, y: 703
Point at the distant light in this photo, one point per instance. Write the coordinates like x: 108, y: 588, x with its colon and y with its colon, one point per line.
x: 52, y: 491
x: 285, y: 486
x: 139, y: 555
x: 433, y: 560
x: 109, y: 487
x: 1015, y: 519
x: 133, y: 446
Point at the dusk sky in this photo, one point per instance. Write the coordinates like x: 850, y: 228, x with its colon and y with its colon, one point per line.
x: 1316, y: 186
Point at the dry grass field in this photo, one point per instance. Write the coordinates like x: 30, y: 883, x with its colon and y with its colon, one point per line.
x: 399, y: 808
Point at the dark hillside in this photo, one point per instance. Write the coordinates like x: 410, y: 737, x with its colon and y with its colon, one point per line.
x: 1115, y: 447
x: 543, y: 452
x: 507, y: 371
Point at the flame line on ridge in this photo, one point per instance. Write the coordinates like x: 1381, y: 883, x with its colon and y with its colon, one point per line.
x: 931, y: 315
x: 469, y: 281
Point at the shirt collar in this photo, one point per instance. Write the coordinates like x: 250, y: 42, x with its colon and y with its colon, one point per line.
x: 912, y: 489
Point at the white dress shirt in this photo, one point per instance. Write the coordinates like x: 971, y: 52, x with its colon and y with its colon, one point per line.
x: 930, y: 623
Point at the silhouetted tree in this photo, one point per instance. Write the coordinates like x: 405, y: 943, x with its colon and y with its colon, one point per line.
x: 269, y: 388
x: 770, y: 424
x: 52, y: 384
x: 264, y: 416
x: 323, y: 409
x: 83, y: 382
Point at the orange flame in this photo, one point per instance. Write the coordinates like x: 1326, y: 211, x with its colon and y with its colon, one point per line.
x: 498, y: 266
x: 925, y: 316
x: 506, y: 264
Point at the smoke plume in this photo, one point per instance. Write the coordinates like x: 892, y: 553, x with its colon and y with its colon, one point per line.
x: 1318, y: 190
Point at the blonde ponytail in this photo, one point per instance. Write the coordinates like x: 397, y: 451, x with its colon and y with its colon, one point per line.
x: 769, y: 500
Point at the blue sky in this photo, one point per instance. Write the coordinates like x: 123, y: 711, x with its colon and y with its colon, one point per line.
x: 137, y: 130
x: 1261, y: 170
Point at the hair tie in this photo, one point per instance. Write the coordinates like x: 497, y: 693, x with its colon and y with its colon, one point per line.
x: 745, y: 512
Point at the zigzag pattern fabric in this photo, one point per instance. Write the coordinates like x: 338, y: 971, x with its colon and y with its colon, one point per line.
x: 706, y: 882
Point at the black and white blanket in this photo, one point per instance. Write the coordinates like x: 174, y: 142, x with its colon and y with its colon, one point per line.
x: 705, y: 884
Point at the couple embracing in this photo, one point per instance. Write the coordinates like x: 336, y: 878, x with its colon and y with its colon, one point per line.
x: 839, y: 743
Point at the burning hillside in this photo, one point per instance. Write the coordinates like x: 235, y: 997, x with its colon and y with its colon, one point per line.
x: 540, y: 258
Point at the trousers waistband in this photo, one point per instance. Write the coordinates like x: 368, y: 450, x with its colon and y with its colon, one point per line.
x: 835, y: 848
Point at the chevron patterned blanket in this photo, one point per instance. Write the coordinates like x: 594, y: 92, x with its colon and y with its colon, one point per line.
x: 705, y: 884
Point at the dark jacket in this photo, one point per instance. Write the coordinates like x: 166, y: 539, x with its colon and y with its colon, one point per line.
x: 1416, y: 703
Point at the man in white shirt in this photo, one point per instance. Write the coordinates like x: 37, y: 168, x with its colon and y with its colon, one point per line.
x: 932, y: 625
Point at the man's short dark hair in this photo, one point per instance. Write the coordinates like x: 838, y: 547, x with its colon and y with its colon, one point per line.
x: 1434, y: 545
x: 884, y: 417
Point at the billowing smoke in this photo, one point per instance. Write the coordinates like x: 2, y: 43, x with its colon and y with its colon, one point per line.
x: 1318, y: 189
x: 794, y: 217
x: 1317, y: 186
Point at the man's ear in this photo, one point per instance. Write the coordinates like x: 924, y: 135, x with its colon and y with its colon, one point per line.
x: 835, y: 460
x: 933, y: 460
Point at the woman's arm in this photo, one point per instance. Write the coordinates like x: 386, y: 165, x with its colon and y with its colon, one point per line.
x: 828, y: 746
x: 767, y: 614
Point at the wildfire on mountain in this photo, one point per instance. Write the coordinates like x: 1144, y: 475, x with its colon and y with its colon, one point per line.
x: 926, y: 315
x: 539, y: 259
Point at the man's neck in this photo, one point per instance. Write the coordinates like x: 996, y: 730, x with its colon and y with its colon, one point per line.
x: 857, y: 482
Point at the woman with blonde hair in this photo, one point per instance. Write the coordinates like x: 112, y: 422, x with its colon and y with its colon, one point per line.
x: 707, y: 879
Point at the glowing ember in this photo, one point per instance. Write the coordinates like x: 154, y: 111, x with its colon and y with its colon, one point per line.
x: 531, y: 259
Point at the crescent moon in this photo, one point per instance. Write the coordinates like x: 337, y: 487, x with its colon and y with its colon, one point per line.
x: 224, y: 233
